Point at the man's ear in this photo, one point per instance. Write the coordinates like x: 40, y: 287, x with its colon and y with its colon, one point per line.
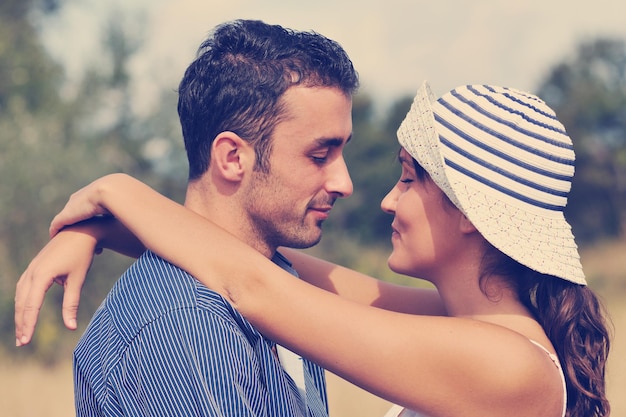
x: 231, y: 156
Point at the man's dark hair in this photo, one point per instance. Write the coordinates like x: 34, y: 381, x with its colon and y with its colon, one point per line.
x: 239, y: 76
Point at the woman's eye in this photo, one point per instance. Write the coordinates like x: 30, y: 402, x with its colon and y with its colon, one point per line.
x: 406, y: 180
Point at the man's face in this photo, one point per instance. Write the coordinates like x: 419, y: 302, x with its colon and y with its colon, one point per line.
x: 287, y: 206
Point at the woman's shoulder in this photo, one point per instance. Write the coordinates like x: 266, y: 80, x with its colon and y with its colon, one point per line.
x: 503, y: 366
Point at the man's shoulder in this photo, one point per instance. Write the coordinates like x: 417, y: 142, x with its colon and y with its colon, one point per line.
x: 153, y: 292
x: 156, y: 281
x: 152, y: 287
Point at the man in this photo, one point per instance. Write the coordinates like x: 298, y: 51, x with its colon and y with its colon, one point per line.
x: 265, y: 114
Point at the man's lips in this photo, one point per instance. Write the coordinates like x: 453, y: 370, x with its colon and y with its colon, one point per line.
x: 325, y: 208
x: 321, y: 211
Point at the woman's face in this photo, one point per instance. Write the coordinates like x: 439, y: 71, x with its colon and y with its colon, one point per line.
x: 425, y: 226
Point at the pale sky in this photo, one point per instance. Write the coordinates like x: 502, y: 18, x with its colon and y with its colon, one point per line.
x: 394, y: 44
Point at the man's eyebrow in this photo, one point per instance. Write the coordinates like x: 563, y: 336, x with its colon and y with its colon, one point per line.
x: 332, y: 142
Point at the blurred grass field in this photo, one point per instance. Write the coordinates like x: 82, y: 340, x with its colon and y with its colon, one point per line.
x: 31, y: 390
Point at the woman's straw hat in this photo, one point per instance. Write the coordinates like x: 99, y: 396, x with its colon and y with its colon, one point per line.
x: 506, y: 162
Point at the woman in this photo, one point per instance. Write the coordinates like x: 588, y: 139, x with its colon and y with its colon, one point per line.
x: 511, y: 329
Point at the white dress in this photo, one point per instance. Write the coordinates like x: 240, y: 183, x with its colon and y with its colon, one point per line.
x: 398, y: 411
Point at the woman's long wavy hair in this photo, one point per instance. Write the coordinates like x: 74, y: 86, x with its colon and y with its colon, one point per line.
x: 576, y: 323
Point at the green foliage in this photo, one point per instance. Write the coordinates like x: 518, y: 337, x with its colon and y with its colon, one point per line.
x: 588, y: 93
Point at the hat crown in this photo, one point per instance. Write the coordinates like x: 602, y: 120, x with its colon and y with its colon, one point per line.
x: 507, y: 141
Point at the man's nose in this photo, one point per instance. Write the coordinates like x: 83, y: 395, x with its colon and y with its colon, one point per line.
x: 340, y: 182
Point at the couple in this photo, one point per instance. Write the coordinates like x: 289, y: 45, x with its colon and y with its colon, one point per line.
x: 205, y: 324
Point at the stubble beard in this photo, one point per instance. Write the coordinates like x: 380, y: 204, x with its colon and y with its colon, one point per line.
x: 289, y: 234
x: 275, y: 226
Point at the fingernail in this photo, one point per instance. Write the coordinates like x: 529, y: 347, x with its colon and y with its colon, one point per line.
x: 17, y: 342
x: 73, y: 323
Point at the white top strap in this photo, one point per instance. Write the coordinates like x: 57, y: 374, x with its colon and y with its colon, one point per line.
x: 557, y: 363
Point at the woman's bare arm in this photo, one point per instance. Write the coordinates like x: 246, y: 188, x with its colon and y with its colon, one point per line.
x: 362, y: 288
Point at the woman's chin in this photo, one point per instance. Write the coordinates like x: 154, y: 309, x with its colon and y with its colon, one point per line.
x: 396, y: 266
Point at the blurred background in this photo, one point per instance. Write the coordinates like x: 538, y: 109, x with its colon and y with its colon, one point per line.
x: 89, y: 88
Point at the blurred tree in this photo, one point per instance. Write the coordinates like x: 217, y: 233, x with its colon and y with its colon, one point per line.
x: 51, y: 145
x: 588, y: 93
x: 27, y: 79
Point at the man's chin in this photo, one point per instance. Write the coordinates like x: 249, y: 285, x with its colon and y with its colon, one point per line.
x: 307, y: 242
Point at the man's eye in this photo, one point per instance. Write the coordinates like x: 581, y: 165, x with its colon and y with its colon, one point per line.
x: 319, y: 159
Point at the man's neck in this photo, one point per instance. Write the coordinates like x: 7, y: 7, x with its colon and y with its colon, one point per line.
x: 226, y: 213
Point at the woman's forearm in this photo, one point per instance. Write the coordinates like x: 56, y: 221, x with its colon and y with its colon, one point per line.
x: 184, y: 238
x: 121, y: 212
x: 362, y: 288
x: 161, y: 225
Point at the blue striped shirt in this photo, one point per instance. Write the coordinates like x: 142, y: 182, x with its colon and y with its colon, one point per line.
x: 163, y: 344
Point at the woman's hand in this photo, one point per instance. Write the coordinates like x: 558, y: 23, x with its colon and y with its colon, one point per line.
x: 82, y: 228
x: 66, y: 259
x: 82, y: 205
